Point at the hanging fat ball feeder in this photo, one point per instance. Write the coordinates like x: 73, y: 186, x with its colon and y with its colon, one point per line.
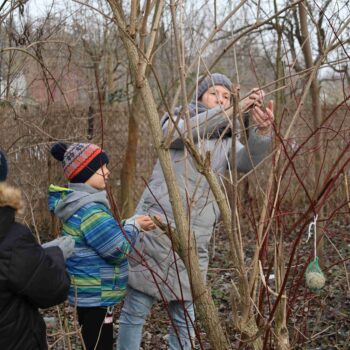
x: 314, y: 277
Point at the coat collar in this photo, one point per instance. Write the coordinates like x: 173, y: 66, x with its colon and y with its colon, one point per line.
x: 10, y: 197
x: 10, y: 203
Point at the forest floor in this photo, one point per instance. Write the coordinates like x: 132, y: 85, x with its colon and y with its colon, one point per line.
x: 316, y: 321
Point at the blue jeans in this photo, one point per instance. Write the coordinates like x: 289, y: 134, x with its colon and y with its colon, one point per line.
x: 137, y: 306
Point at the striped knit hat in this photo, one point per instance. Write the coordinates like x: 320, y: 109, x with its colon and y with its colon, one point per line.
x: 80, y: 160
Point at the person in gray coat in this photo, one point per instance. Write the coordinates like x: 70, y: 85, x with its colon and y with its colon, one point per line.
x: 158, y: 273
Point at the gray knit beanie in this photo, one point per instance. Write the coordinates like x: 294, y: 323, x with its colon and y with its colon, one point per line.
x: 211, y: 80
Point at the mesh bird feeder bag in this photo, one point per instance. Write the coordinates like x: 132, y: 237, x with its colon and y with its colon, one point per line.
x: 315, y: 278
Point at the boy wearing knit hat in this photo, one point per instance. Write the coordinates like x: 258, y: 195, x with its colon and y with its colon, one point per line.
x: 98, y: 266
x: 31, y: 277
x: 168, y: 279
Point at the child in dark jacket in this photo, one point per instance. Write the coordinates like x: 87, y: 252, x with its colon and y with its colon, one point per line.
x: 98, y: 267
x: 30, y: 277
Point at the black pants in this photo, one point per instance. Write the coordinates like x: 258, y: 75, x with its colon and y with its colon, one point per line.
x: 94, y: 328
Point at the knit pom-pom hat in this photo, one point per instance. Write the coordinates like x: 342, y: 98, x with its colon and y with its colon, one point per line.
x: 3, y: 166
x: 80, y: 160
x: 209, y: 81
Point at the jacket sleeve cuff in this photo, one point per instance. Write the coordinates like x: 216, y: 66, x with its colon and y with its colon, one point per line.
x: 132, y: 228
x: 259, y: 143
x: 132, y: 221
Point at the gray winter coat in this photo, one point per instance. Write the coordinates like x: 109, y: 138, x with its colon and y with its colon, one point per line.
x: 198, y: 200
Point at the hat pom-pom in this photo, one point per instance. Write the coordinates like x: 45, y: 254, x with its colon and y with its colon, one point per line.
x: 58, y: 150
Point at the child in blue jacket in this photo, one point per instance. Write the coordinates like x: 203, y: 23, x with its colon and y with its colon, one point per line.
x: 98, y: 267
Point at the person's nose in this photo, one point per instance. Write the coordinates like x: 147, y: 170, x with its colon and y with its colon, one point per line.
x: 106, y: 172
x: 221, y: 99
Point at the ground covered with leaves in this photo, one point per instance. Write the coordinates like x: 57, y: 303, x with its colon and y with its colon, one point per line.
x: 316, y: 321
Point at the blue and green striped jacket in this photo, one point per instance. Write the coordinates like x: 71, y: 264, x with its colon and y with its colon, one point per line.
x: 98, y: 267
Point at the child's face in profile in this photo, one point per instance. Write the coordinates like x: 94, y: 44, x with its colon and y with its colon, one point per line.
x: 215, y: 96
x: 99, y: 179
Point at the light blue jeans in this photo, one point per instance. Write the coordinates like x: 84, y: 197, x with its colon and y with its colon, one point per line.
x: 137, y: 306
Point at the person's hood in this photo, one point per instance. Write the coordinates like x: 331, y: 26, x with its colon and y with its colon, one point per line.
x: 64, y: 202
x: 10, y: 203
x: 194, y: 108
x: 10, y: 197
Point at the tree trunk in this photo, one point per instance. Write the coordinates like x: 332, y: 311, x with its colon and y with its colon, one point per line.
x: 201, y: 296
x: 127, y: 177
x: 281, y: 330
x: 316, y: 110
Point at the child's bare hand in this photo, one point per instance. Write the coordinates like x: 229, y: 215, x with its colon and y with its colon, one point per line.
x: 146, y: 223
